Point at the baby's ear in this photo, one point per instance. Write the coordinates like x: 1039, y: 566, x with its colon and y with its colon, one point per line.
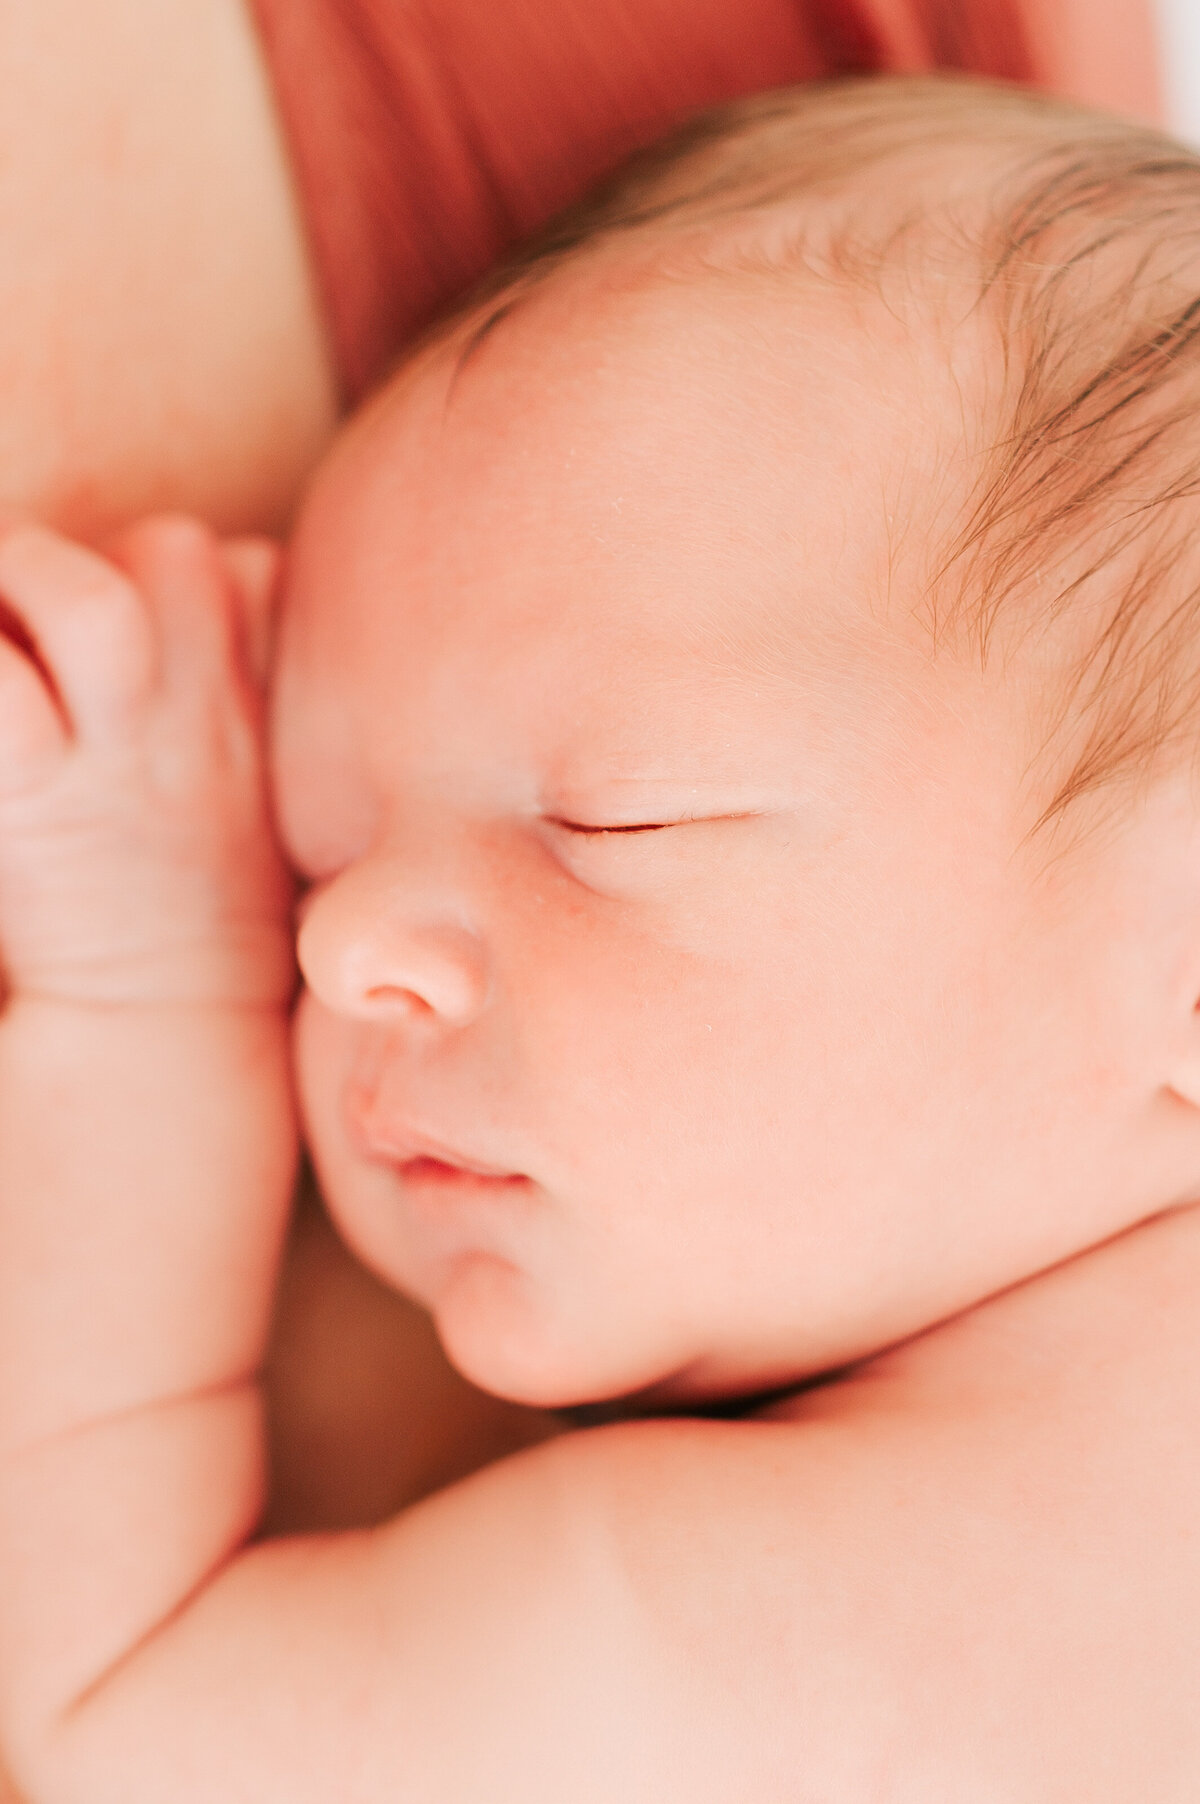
x: 1183, y: 1045
x: 254, y: 565
x: 1158, y: 923
x: 1185, y: 1075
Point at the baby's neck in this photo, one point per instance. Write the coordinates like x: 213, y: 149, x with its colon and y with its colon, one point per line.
x: 1120, y: 1314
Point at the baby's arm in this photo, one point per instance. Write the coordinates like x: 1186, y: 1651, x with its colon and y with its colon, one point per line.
x: 146, y: 1133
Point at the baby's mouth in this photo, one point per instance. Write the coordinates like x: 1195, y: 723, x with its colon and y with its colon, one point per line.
x: 439, y: 1186
x: 423, y: 1168
x: 417, y: 1158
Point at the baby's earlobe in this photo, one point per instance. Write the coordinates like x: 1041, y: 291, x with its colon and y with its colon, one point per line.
x: 1184, y: 1077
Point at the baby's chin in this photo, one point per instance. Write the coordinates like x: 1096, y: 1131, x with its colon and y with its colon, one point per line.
x: 504, y: 1335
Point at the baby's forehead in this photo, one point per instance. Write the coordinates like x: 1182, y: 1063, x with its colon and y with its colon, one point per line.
x: 640, y: 471
x: 915, y: 361
x: 639, y: 515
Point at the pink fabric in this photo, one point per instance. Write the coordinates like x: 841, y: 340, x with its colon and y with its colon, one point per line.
x: 428, y: 135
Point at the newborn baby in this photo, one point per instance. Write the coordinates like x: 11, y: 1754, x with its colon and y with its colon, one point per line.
x: 735, y: 721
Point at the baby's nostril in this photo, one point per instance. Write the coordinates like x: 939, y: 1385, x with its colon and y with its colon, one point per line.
x: 393, y: 995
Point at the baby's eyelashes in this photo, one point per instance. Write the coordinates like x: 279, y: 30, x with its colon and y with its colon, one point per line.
x: 600, y: 829
x: 596, y: 828
x: 648, y: 857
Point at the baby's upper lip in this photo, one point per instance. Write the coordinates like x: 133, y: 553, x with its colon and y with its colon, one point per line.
x: 386, y: 1129
x: 400, y: 1144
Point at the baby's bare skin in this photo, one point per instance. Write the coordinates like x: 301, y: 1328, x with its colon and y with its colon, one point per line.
x: 965, y: 1568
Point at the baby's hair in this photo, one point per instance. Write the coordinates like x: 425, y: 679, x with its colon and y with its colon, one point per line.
x: 1075, y: 239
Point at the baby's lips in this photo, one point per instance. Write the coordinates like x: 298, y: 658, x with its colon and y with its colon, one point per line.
x: 407, y: 1150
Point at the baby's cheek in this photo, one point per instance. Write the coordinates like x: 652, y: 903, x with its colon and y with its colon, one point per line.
x: 323, y: 1053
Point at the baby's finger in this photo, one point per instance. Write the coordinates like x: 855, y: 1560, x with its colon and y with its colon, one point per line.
x: 181, y: 569
x: 176, y: 563
x: 33, y: 734
x: 87, y: 621
x: 254, y: 566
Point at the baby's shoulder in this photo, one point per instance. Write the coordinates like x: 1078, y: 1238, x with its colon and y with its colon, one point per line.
x: 905, y: 1564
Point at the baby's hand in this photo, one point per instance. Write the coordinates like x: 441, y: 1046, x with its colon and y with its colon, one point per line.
x: 137, y: 857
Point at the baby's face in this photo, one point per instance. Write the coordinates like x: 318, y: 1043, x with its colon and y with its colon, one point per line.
x: 681, y: 1010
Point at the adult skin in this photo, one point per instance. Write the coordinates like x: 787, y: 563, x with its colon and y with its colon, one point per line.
x: 160, y: 342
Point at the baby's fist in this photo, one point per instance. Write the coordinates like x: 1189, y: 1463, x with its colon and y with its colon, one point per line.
x: 137, y: 857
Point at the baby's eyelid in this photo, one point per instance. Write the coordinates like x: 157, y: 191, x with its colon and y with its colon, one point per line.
x: 597, y: 828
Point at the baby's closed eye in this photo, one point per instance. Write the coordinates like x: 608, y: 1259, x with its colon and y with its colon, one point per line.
x: 625, y: 855
x: 586, y: 828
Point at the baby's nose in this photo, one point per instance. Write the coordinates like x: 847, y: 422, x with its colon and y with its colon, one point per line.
x: 371, y: 946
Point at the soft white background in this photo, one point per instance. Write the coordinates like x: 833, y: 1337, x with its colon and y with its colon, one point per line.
x: 1179, y: 48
